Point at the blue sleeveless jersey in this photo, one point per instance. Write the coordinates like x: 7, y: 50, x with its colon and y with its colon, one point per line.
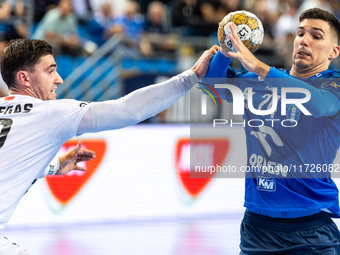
x: 313, y: 142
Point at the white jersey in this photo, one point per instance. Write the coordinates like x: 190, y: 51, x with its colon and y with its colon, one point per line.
x: 32, y: 131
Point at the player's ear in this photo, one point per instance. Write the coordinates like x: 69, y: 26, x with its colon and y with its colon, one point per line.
x: 23, y: 79
x: 335, y: 52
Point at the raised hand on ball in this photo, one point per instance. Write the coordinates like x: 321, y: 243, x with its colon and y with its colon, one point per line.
x: 249, y: 30
x: 247, y: 59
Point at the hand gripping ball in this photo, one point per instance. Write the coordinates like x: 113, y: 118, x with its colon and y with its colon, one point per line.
x: 249, y: 29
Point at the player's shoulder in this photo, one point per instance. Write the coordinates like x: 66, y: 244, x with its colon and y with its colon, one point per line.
x: 67, y: 104
x: 330, y: 80
x: 15, y: 99
x: 54, y: 105
x: 331, y: 74
x: 29, y: 99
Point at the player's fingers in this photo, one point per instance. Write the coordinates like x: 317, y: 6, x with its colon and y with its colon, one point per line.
x: 90, y: 155
x: 233, y: 30
x: 79, y: 168
x: 233, y: 54
x: 201, y: 66
x: 205, y: 53
x: 235, y: 40
x: 86, y: 152
x: 213, y: 50
x: 206, y: 56
x: 85, y: 157
x: 78, y: 147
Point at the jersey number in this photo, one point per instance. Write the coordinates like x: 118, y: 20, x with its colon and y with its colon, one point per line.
x: 5, y: 127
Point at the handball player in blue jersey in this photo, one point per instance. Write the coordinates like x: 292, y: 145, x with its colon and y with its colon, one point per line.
x: 288, y: 212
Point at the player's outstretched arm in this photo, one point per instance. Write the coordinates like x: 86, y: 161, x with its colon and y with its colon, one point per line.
x: 143, y: 103
x: 247, y: 59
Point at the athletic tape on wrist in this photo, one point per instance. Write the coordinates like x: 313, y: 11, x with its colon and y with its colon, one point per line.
x: 53, y: 167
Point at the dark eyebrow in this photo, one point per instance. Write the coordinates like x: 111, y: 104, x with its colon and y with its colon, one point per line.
x: 313, y: 28
x: 53, y: 65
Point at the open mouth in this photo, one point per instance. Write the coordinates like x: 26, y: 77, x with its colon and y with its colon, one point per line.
x: 53, y: 91
x: 303, y: 53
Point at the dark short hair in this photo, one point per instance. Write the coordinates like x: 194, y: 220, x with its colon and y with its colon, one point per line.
x: 317, y: 13
x: 22, y: 54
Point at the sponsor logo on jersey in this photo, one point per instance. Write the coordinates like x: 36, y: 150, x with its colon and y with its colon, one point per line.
x: 331, y: 84
x: 65, y: 187
x: 198, y: 151
x: 83, y: 104
x: 334, y: 85
x: 266, y: 184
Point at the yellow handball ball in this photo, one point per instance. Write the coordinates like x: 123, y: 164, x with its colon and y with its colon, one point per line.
x: 249, y: 29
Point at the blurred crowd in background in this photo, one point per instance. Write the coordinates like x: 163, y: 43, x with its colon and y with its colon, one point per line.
x: 151, y: 28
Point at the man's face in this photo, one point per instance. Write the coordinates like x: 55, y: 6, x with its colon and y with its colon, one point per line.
x: 66, y: 7
x: 313, y: 45
x: 131, y: 9
x: 44, y: 80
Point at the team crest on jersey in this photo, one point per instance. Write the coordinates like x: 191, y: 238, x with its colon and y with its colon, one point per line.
x: 266, y: 184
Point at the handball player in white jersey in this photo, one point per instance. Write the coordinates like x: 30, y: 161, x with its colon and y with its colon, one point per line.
x: 34, y: 125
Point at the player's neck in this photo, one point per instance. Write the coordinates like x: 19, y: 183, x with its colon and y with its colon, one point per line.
x: 306, y: 72
x: 17, y: 91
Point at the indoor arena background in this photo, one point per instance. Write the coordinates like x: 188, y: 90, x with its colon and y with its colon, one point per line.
x: 137, y: 196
